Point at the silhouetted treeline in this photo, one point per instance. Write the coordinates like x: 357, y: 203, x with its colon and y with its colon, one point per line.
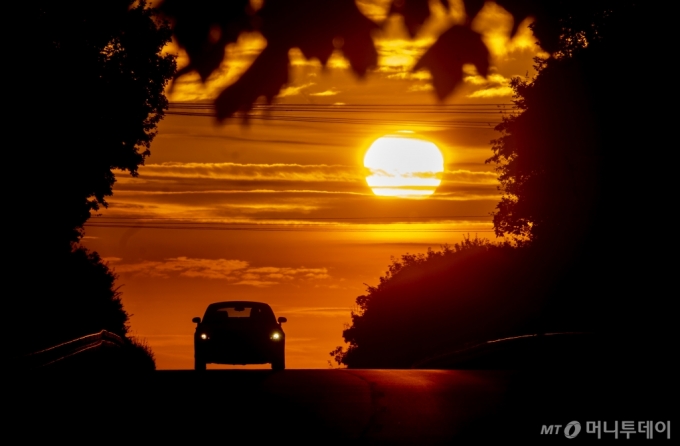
x: 89, y: 84
x: 581, y: 169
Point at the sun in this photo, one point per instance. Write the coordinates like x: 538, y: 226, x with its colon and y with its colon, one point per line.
x: 404, y: 166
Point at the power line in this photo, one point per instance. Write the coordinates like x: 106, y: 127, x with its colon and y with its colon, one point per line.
x: 291, y: 113
x: 201, y: 219
x: 283, y: 229
x: 197, y: 223
x: 362, y: 121
x: 340, y: 107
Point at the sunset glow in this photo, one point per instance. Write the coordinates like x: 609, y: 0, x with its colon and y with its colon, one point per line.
x: 356, y: 221
x: 306, y: 204
x: 401, y: 166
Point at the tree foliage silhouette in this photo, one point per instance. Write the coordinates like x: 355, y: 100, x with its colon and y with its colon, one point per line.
x: 577, y: 177
x: 98, y: 72
x: 318, y: 28
x: 434, y: 302
x: 560, y: 160
x: 95, y: 74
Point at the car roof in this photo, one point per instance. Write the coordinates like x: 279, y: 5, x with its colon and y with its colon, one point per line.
x: 241, y: 303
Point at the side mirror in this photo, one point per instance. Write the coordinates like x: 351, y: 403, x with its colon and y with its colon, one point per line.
x: 196, y: 320
x: 282, y: 320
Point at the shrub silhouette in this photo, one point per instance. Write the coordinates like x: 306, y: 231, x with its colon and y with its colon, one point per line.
x: 428, y: 303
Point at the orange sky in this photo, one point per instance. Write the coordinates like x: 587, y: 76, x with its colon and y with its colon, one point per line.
x: 279, y: 211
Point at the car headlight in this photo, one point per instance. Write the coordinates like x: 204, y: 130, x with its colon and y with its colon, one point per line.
x: 276, y: 336
x: 204, y: 336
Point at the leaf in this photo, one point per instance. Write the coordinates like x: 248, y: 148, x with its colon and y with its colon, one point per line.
x: 547, y: 26
x: 358, y: 46
x: 265, y: 77
x: 318, y: 28
x: 415, y: 12
x: 472, y: 8
x: 520, y: 10
x: 457, y: 46
x: 203, y: 29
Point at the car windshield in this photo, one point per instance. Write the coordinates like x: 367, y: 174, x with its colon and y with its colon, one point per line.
x: 237, y: 313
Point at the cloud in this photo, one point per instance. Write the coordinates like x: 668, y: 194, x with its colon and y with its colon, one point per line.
x: 494, y: 92
x: 336, y: 61
x: 374, y: 10
x: 495, y: 24
x: 265, y: 270
x: 272, y: 197
x: 417, y: 76
x: 397, y: 57
x: 256, y: 283
x: 470, y: 177
x: 238, y: 272
x: 491, y: 79
x: 186, y: 267
x: 287, y: 273
x: 238, y: 58
x: 294, y: 90
x: 420, y: 87
x: 111, y: 259
x: 250, y: 172
x: 330, y: 92
x: 494, y: 85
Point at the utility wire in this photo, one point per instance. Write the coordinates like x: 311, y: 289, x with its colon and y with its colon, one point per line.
x: 282, y: 229
x: 200, y: 219
x: 195, y: 223
x: 291, y: 113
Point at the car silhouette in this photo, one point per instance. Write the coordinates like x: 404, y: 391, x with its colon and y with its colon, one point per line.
x: 239, y: 332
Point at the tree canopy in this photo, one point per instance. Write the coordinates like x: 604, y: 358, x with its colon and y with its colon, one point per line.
x: 579, y: 167
x: 91, y: 93
x: 97, y: 72
x: 561, y: 160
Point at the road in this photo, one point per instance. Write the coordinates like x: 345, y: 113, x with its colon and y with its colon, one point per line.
x: 338, y: 406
